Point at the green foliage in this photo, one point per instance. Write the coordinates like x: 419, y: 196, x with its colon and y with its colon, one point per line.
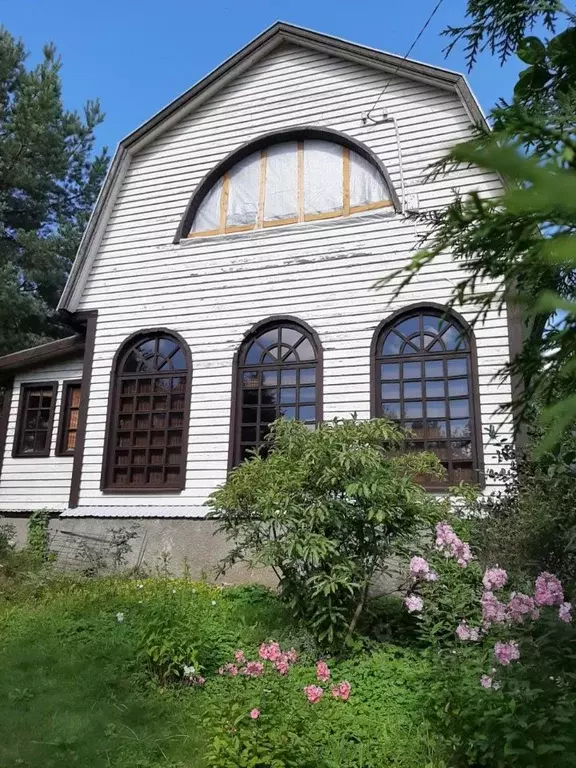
x: 325, y: 509
x: 517, y: 250
x: 50, y: 181
x: 530, y: 525
x: 279, y: 738
x: 38, y: 534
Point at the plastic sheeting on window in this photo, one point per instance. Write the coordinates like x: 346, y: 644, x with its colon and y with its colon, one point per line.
x: 323, y: 174
x: 281, y: 195
x: 207, y: 217
x: 243, y: 194
x: 366, y: 184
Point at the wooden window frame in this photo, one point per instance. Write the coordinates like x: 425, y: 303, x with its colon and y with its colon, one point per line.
x: 261, y: 223
x: 376, y: 359
x: 106, y: 484
x: 285, y: 321
x: 63, y: 428
x: 17, y: 452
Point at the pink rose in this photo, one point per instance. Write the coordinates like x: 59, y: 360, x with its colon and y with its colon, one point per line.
x: 255, y: 713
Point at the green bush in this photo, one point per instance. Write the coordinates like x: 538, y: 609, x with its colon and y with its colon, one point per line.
x: 326, y: 509
x: 530, y: 525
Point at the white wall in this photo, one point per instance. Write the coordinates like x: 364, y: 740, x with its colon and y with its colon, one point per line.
x: 44, y: 482
x: 212, y: 290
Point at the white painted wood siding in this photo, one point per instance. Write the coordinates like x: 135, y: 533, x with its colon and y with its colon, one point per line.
x: 212, y: 290
x: 38, y: 483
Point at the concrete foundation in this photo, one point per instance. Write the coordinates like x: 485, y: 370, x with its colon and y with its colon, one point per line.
x: 172, y: 546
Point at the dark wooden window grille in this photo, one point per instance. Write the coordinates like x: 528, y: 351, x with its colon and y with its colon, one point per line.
x: 35, y: 419
x: 69, y: 418
x: 147, y: 450
x: 424, y: 383
x: 277, y: 376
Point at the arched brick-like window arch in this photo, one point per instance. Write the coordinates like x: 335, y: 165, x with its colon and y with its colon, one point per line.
x: 425, y: 379
x: 148, y: 413
x: 278, y: 373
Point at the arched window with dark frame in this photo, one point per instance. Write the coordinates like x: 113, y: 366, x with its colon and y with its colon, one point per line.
x: 148, y: 414
x: 424, y: 368
x: 279, y: 373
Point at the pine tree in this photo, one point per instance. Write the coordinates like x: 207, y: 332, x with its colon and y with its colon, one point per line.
x: 49, y: 180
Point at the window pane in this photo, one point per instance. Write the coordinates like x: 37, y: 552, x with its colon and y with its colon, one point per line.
x: 323, y: 177
x: 390, y: 391
x: 208, y: 214
x: 460, y: 427
x: 409, y: 326
x: 453, y: 338
x: 435, y: 408
x: 366, y: 182
x: 305, y: 351
x: 391, y: 410
x: 281, y: 200
x: 289, y: 377
x: 392, y: 344
x: 435, y: 428
x: 457, y: 387
x: 412, y: 370
x: 412, y: 389
x: 434, y: 388
x: 433, y: 324
x: 461, y: 450
x: 307, y: 394
x: 416, y: 426
x: 459, y: 409
x: 435, y: 368
x: 243, y: 192
x: 413, y: 410
x: 307, y: 413
x: 288, y: 412
x: 457, y: 367
x: 390, y: 371
x: 307, y: 375
x: 269, y: 378
x: 287, y: 395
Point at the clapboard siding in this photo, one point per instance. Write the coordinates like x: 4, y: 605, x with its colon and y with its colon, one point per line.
x: 212, y: 290
x: 38, y: 483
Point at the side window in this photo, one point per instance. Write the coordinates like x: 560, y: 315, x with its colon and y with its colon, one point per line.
x: 69, y: 410
x: 278, y: 375
x: 35, y: 420
x: 148, y: 419
x: 424, y: 369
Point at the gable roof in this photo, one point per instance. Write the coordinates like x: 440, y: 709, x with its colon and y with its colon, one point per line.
x: 276, y: 35
x: 51, y: 352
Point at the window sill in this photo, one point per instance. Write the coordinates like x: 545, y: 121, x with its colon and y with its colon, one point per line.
x: 16, y: 455
x: 355, y: 219
x: 139, y: 490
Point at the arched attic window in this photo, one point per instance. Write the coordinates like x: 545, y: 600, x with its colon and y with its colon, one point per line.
x: 294, y: 176
x: 279, y: 373
x: 424, y: 365
x: 148, y: 413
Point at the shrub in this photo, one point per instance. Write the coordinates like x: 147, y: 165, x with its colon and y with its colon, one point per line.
x: 325, y: 509
x: 530, y: 525
x: 503, y: 689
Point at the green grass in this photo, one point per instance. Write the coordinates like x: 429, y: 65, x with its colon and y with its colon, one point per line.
x: 74, y: 690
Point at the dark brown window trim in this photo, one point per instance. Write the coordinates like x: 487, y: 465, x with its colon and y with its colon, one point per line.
x: 63, y: 420
x: 5, y: 419
x: 301, y: 133
x: 236, y: 403
x: 476, y: 436
x: 105, y: 485
x: 91, y: 319
x: 17, y: 452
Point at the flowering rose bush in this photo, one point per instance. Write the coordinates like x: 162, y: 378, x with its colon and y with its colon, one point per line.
x: 504, y: 686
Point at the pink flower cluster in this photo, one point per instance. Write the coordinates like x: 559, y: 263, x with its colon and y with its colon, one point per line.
x: 414, y: 603
x: 228, y: 669
x: 465, y: 632
x: 340, y: 691
x: 565, y: 612
x: 493, y: 610
x: 487, y: 681
x: 281, y: 660
x: 322, y: 671
x: 507, y: 652
x: 519, y: 606
x: 448, y: 542
x: 420, y: 569
x: 494, y: 578
x: 548, y: 590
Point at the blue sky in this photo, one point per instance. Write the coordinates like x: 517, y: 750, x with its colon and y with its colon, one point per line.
x: 137, y: 56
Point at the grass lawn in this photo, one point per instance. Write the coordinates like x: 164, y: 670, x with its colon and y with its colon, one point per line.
x: 75, y: 689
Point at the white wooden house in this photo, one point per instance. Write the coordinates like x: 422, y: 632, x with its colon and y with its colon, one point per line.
x: 227, y: 276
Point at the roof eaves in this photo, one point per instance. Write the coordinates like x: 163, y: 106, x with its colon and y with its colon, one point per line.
x: 60, y: 349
